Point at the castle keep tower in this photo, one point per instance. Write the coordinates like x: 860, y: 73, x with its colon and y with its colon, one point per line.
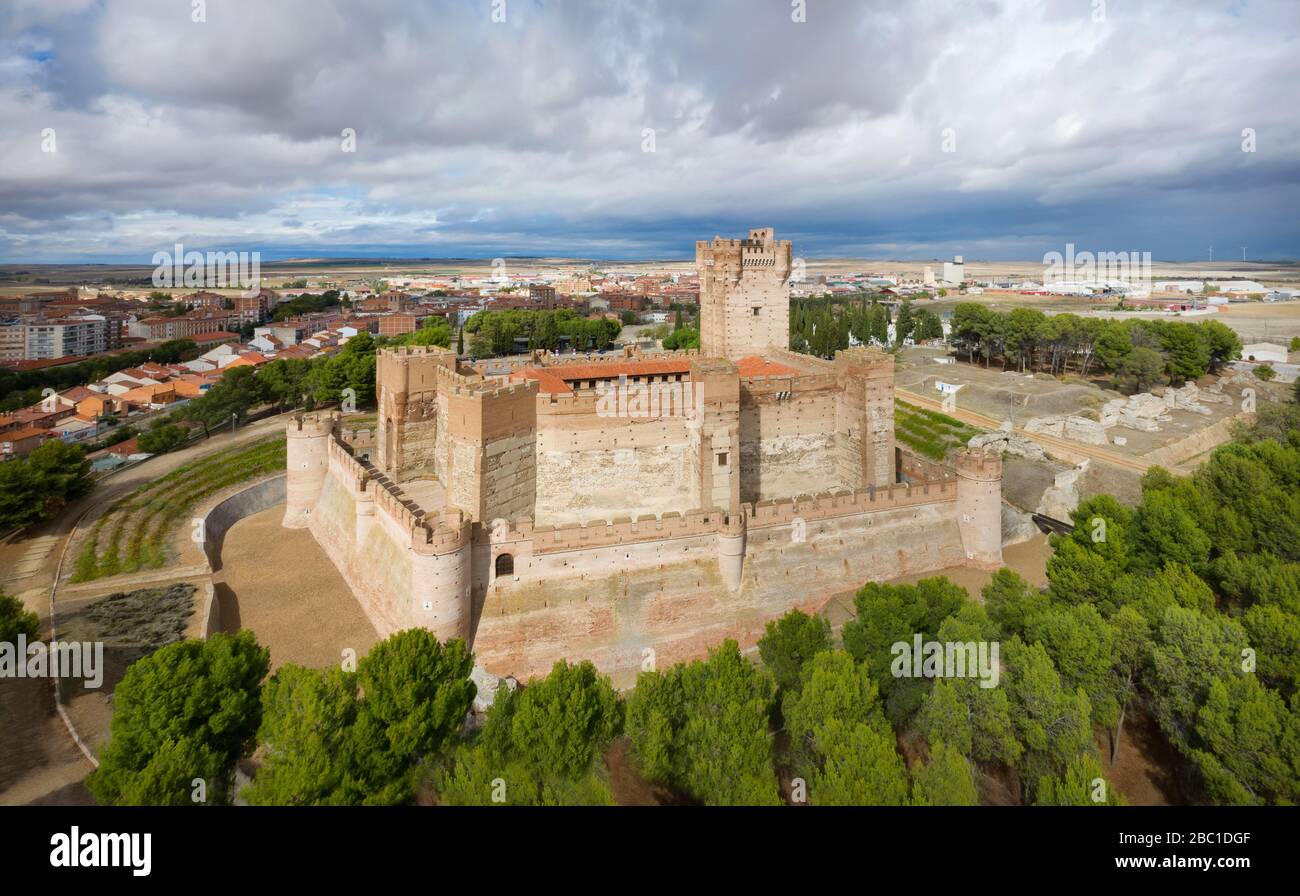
x: 490, y: 464
x: 744, y: 294
x: 406, y: 380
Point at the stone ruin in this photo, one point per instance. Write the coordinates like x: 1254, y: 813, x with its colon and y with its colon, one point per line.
x: 1005, y: 441
x: 1143, y: 412
x: 1062, y: 496
x: 1069, y: 426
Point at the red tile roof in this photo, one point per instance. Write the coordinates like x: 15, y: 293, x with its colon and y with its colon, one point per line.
x: 21, y: 366
x: 216, y: 336
x: 557, y: 378
x: 22, y: 434
x: 754, y: 365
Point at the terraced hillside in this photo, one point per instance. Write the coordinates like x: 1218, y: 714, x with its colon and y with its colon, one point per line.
x: 137, y: 531
x: 929, y: 433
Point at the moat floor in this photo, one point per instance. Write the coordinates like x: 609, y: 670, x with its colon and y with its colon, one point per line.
x: 1028, y: 558
x: 289, y: 594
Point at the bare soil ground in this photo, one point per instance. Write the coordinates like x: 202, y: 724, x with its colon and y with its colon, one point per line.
x: 40, y: 763
x: 626, y: 783
x: 1003, y: 395
x: 1149, y: 772
x: 1029, y: 559
x: 280, y: 584
x: 1025, y: 480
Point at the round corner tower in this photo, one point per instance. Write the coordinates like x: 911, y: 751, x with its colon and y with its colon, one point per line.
x: 307, y: 460
x: 979, y: 507
x: 731, y: 548
x: 441, y: 578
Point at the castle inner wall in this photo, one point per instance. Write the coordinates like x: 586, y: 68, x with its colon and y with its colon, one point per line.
x: 787, y: 440
x: 601, y: 467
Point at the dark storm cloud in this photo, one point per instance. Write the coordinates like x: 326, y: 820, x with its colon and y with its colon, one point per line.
x: 527, y: 136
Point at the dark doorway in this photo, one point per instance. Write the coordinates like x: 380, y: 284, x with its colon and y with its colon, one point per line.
x: 505, y: 565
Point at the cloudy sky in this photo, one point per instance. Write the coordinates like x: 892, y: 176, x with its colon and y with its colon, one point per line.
x: 999, y: 129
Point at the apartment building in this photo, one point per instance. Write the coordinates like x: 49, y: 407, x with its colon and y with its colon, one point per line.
x: 184, y: 325
x: 13, y: 341
x: 62, y: 337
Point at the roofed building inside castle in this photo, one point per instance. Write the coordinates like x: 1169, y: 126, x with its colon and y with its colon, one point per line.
x: 603, y: 507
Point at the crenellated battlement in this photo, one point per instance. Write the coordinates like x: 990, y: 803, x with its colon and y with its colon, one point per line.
x: 405, y: 352
x: 985, y: 466
x: 480, y: 392
x: 764, y: 514
x: 846, y: 503
x: 311, y: 425
x: 602, y: 533
x: 865, y: 360
x: 789, y: 382
x: 808, y: 364
x: 452, y: 531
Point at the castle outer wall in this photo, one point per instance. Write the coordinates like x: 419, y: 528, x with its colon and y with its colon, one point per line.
x: 610, y: 591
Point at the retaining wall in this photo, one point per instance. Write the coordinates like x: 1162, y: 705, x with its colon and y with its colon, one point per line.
x: 216, y: 523
x: 218, y: 520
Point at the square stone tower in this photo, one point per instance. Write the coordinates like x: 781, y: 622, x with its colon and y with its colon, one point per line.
x: 744, y: 294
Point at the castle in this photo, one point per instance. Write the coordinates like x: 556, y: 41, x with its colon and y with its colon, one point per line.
x: 636, y: 508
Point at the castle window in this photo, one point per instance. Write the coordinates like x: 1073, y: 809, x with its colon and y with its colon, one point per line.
x: 756, y: 310
x: 505, y: 565
x: 722, y: 458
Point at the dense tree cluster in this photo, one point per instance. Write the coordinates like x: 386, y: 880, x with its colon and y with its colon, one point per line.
x: 161, y: 437
x: 1136, y: 352
x: 540, y: 746
x: 187, y: 711
x: 287, y: 383
x: 495, y: 332
x: 434, y: 331
x: 825, y: 325
x: 703, y: 728
x: 683, y: 339
x: 1193, y: 600
x: 337, y: 737
x: 36, y: 487
x: 307, y: 304
x: 16, y: 619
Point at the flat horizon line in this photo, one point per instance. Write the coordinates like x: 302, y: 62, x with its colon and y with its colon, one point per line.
x: 576, y: 259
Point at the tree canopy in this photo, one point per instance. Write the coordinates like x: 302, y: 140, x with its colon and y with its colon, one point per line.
x: 189, y: 710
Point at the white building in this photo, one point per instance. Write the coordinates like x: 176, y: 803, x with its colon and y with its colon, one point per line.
x: 1241, y: 287
x: 64, y: 337
x: 954, y: 272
